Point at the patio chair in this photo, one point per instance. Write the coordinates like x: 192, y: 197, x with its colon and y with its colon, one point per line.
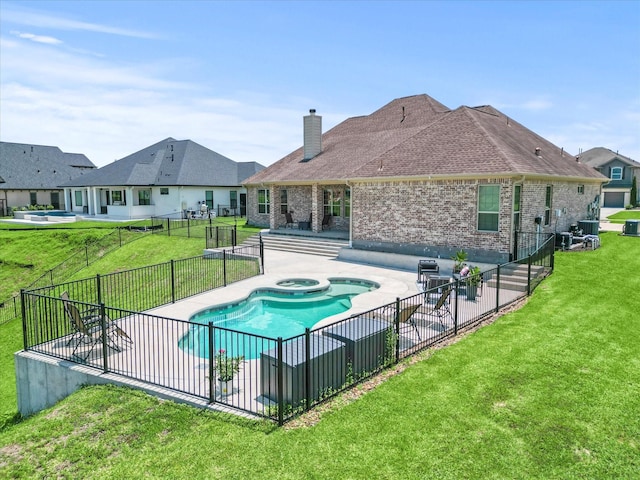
x: 87, y: 328
x: 289, y: 221
x: 406, y: 315
x: 441, y: 308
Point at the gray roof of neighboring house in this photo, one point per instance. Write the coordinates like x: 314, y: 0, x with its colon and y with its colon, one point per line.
x: 598, y: 156
x: 171, y: 163
x: 419, y: 137
x: 39, y: 167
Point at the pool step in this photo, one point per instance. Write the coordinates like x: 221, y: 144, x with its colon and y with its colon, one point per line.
x: 299, y: 244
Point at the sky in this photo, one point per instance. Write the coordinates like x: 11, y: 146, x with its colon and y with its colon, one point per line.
x: 109, y: 78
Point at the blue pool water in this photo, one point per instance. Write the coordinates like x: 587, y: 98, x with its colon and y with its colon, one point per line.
x: 54, y: 213
x: 270, y: 314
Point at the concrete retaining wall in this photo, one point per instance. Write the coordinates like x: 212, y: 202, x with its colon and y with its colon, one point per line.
x: 42, y: 381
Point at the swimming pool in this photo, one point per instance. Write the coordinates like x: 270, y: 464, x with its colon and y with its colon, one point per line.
x: 283, y: 311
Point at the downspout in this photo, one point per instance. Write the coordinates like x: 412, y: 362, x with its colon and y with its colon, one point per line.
x: 351, y: 216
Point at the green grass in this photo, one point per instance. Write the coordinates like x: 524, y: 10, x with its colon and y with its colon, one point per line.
x: 551, y: 391
x: 623, y: 215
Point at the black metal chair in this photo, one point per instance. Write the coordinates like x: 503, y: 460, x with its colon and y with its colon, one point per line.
x: 289, y: 221
x: 441, y: 309
x: 87, y: 327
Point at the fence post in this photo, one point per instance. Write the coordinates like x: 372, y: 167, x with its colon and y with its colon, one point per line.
x: 224, y: 267
x: 173, y: 282
x: 529, y: 275
x: 498, y: 289
x: 217, y: 236
x: 168, y: 227
x: 98, y: 288
x: 455, y: 312
x: 396, y: 322
x: 103, y: 325
x: 261, y: 254
x: 86, y: 253
x: 212, y: 370
x: 234, y: 236
x: 23, y: 307
x: 280, y: 387
x: 120, y: 235
x: 307, y: 367
x: 188, y: 228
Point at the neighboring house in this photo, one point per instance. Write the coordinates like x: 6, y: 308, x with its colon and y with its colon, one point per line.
x: 418, y: 178
x: 31, y: 174
x: 165, y: 179
x: 620, y: 171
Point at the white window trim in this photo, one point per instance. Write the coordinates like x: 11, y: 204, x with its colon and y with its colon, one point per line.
x: 616, y: 173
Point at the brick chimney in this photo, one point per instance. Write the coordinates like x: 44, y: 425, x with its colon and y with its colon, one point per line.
x: 312, y: 125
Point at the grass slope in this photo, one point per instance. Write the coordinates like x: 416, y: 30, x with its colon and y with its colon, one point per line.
x: 550, y: 391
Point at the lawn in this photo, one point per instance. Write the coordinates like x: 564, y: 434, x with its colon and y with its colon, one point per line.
x: 551, y: 391
x: 623, y: 215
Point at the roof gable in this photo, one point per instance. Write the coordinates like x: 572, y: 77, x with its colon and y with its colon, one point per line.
x: 600, y: 157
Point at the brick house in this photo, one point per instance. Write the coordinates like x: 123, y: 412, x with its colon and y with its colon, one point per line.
x: 620, y: 171
x: 415, y: 177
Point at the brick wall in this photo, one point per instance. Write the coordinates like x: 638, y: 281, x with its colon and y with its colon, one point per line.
x: 431, y: 218
x: 434, y: 218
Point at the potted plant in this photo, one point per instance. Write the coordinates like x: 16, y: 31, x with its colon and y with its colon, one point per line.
x: 226, y: 367
x: 473, y: 280
x: 458, y: 260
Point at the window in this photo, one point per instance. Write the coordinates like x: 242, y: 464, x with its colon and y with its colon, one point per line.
x: 233, y: 199
x: 33, y: 198
x: 116, y: 197
x: 144, y: 197
x: 78, y: 194
x: 547, y: 206
x: 263, y: 201
x: 616, y: 173
x: 488, y: 207
x: 347, y: 203
x: 164, y: 191
x: 332, y: 203
x: 55, y: 200
x: 283, y: 202
x: 208, y: 198
x: 517, y: 194
x: 581, y: 189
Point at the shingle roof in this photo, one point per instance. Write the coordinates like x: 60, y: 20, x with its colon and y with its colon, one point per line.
x: 39, y: 167
x: 171, y: 162
x: 598, y: 156
x: 419, y: 137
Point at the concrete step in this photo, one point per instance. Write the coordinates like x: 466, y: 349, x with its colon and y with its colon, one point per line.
x: 298, y: 244
x: 514, y: 277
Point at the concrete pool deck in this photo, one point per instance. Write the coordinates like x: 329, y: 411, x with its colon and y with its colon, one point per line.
x: 280, y: 265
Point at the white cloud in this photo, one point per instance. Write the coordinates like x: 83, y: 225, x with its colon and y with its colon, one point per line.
x: 537, y: 104
x: 22, y: 16
x: 38, y: 38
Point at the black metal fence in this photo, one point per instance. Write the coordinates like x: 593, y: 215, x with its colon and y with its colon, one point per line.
x: 92, y: 251
x: 278, y: 378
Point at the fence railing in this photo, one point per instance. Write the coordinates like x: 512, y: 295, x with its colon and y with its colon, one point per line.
x: 83, y: 257
x: 279, y: 377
